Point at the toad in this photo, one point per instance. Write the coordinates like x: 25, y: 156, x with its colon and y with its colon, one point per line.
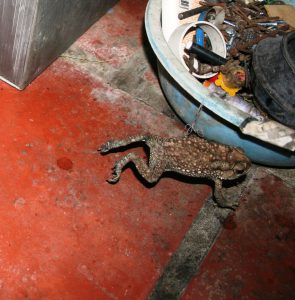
x: 188, y: 155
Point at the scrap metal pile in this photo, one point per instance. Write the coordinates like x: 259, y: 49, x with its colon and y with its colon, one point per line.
x: 240, y: 73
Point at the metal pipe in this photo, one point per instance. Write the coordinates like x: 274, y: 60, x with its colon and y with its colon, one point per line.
x: 205, y: 55
x: 274, y: 23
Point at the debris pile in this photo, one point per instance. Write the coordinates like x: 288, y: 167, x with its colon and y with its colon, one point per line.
x: 216, y: 42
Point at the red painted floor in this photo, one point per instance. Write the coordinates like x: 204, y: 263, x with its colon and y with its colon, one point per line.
x: 65, y: 233
x: 253, y: 257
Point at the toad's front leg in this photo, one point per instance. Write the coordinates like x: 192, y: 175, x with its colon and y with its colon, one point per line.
x: 220, y: 199
x: 151, y: 175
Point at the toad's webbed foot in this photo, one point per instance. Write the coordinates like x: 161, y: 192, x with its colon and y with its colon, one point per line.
x: 106, y: 147
x: 115, y: 176
x: 119, y: 165
x: 225, y: 202
x: 221, y: 200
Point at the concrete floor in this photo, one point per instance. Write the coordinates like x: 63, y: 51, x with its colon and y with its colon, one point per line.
x: 68, y: 234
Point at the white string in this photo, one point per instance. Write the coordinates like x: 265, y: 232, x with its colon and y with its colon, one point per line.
x: 189, y: 128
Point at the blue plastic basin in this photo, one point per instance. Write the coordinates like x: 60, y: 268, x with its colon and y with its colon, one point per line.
x: 217, y: 120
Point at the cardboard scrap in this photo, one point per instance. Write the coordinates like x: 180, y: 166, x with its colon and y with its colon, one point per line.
x: 284, y: 12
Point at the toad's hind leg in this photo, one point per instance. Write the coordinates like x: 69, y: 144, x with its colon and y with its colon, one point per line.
x: 113, y: 144
x: 150, y: 173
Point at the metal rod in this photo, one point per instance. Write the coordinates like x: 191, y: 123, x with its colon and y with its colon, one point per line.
x: 191, y: 12
x: 227, y: 22
x: 274, y: 23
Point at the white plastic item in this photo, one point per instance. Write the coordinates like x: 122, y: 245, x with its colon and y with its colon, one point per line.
x: 236, y: 101
x: 185, y: 33
x: 169, y: 17
x: 170, y: 11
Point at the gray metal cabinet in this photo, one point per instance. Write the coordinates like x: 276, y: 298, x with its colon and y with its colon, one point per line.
x: 34, y: 32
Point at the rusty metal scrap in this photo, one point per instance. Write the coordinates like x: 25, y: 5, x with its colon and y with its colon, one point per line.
x: 251, y: 24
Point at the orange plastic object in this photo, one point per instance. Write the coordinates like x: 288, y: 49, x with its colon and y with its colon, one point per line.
x: 221, y: 82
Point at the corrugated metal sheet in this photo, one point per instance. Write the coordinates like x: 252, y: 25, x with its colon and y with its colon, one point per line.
x: 34, y: 32
x: 16, y: 21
